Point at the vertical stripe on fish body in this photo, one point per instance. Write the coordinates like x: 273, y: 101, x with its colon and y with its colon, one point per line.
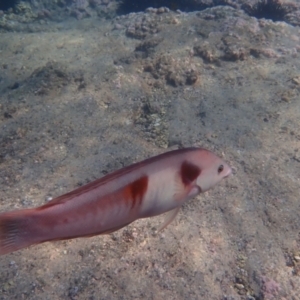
x: 154, y: 186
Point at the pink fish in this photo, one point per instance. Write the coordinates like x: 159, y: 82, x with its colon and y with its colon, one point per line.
x: 145, y: 189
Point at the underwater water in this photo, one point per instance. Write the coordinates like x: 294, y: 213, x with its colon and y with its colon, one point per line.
x: 90, y: 86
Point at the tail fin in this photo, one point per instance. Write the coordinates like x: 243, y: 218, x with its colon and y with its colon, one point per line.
x: 15, y: 231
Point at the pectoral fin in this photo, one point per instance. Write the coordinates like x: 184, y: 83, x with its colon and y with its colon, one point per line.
x: 195, y: 190
x: 170, y: 216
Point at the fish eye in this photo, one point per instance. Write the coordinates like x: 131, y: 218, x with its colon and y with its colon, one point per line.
x: 220, y: 169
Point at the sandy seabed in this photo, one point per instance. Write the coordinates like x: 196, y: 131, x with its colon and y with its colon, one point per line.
x: 82, y: 100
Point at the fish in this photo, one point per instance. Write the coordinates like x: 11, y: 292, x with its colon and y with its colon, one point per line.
x: 157, y: 185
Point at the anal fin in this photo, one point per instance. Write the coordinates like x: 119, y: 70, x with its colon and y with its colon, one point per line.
x: 92, y: 234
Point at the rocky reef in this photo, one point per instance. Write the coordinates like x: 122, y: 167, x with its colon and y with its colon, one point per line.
x: 34, y: 15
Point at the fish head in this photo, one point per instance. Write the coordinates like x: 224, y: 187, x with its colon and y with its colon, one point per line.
x: 212, y: 170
